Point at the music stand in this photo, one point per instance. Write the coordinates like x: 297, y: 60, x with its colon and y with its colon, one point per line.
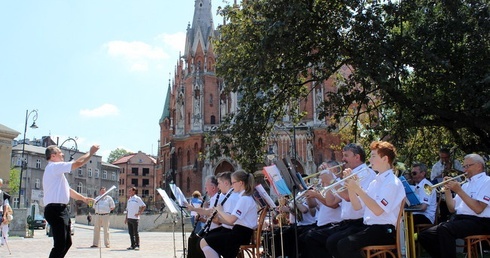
x: 171, y: 206
x: 182, y: 204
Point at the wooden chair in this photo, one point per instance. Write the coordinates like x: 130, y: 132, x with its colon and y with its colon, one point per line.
x: 382, y: 250
x: 420, y: 227
x: 253, y: 249
x: 474, y: 244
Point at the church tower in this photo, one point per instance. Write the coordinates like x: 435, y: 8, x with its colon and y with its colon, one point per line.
x: 194, y: 106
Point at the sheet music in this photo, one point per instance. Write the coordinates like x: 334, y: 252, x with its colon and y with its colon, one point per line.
x: 97, y: 199
x: 168, y: 202
x: 179, y: 196
x: 260, y: 189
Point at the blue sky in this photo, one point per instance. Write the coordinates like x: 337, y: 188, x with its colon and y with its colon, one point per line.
x: 97, y: 70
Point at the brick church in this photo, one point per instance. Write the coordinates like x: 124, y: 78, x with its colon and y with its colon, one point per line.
x: 196, y: 104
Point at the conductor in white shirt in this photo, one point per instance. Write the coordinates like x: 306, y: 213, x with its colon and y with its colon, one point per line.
x: 103, y: 208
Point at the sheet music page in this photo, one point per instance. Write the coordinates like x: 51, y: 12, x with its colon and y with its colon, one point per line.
x: 169, y: 203
x: 179, y: 196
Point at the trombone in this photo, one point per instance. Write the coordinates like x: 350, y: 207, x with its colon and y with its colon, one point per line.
x: 318, y: 173
x: 429, y: 188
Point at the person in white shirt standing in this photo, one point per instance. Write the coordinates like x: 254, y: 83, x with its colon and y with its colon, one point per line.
x: 5, y: 211
x: 103, y: 208
x: 57, y: 193
x: 134, y: 209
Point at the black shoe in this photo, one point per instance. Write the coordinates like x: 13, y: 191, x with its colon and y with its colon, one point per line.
x: 131, y: 248
x: 93, y: 246
x: 137, y: 248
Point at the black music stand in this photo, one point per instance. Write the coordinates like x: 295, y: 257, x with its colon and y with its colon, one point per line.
x: 171, y: 205
x: 182, y: 205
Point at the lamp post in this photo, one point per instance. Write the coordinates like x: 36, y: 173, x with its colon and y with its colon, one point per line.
x: 24, y: 162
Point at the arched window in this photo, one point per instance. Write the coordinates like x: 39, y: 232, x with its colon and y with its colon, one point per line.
x: 188, y: 157
x: 80, y: 187
x: 213, y: 120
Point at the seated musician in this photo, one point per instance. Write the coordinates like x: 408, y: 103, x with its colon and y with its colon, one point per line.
x: 228, y: 199
x: 354, y: 157
x: 428, y: 205
x: 312, y: 242
x: 300, y: 221
x: 381, y: 202
x: 471, y: 205
x: 243, y: 218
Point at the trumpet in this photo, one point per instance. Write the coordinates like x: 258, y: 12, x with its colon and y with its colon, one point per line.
x: 429, y: 188
x: 319, y: 173
x: 332, y: 186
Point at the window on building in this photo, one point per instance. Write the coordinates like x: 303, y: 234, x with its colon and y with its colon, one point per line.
x: 146, y: 171
x: 37, y: 184
x: 80, y: 187
x: 188, y: 157
x: 16, y: 202
x: 188, y: 185
x: 19, y: 161
x: 104, y: 174
x: 121, y: 192
x: 134, y: 171
x: 213, y: 120
x: 113, y: 176
x: 146, y: 182
x: 134, y: 182
x: 89, y: 172
x: 38, y: 163
x: 145, y: 193
x: 211, y: 100
x: 122, y: 171
x: 97, y: 173
x: 80, y: 172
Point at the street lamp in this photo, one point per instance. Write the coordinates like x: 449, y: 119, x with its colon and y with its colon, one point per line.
x: 24, y: 162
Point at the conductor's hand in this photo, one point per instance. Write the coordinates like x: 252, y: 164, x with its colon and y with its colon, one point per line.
x: 88, y: 200
x: 94, y: 148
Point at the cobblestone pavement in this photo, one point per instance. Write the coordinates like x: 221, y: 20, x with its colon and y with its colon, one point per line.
x: 153, y: 244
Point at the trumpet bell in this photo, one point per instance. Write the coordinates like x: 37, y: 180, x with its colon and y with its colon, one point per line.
x: 428, y: 189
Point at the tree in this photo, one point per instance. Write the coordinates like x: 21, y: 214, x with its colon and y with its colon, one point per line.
x: 417, y: 67
x: 116, y: 154
x: 14, y: 182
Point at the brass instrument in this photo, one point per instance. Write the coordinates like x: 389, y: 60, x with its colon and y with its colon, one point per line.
x: 429, y: 188
x: 332, y: 186
x: 318, y: 173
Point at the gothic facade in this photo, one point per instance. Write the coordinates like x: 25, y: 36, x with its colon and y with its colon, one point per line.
x: 196, y: 104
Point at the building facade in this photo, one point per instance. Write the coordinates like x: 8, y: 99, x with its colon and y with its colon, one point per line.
x: 196, y: 104
x: 138, y: 170
x: 86, y: 180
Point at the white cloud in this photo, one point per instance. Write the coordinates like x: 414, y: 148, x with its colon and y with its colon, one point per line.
x: 176, y: 41
x: 138, y: 55
x: 102, y: 111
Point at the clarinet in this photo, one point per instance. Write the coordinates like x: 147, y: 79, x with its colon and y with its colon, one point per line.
x: 205, y: 229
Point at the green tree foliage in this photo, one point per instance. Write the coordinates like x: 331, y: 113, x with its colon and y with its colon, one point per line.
x: 418, y: 76
x: 116, y: 154
x: 14, y: 182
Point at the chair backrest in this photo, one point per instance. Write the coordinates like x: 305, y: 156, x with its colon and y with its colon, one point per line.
x: 398, y: 223
x: 258, y: 233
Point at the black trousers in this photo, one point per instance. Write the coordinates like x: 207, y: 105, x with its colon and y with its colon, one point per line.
x: 440, y: 240
x: 314, y: 240
x: 58, y: 217
x: 346, y: 228
x: 350, y: 246
x: 133, y: 232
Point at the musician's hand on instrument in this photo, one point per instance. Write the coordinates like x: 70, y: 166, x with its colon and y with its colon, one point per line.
x: 219, y: 208
x: 190, y: 207
x: 346, y: 172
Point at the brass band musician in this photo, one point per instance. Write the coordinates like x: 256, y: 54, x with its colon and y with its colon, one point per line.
x: 428, y: 205
x: 471, y: 205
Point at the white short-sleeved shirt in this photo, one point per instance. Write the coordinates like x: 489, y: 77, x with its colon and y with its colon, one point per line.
x: 229, y: 205
x: 388, y: 192
x: 430, y: 200
x: 246, y: 211
x: 326, y: 215
x: 366, y: 175
x: 55, y: 186
x: 133, y: 206
x: 104, y: 205
x: 308, y: 219
x: 478, y: 188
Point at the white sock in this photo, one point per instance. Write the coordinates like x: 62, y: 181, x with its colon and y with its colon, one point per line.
x: 209, y: 252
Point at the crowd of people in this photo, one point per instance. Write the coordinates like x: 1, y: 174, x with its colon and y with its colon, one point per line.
x: 355, y: 206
